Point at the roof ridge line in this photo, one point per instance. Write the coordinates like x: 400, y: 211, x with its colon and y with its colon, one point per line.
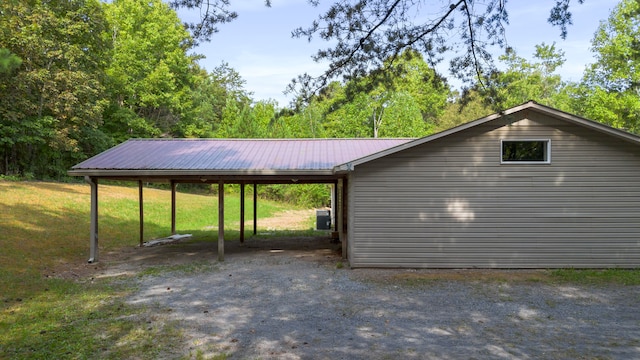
x: 273, y: 139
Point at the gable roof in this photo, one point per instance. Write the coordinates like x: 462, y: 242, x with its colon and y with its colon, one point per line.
x: 530, y: 105
x: 201, y: 157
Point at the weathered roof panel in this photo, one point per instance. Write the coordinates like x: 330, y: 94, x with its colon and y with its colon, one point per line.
x: 233, y: 155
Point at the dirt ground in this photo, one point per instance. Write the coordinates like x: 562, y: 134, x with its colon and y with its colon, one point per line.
x: 131, y: 259
x: 320, y: 250
x: 128, y: 261
x: 286, y: 220
x: 290, y: 298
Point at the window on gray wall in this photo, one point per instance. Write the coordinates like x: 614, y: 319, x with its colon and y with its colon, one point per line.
x: 525, y: 151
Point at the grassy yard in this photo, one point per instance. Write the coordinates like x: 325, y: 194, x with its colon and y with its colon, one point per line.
x: 46, y: 225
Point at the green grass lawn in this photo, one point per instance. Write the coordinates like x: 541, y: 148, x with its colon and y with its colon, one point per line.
x: 47, y: 224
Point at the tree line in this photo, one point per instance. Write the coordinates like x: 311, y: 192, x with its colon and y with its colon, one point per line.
x: 80, y: 76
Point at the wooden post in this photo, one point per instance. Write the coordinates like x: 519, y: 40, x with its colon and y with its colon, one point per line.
x: 141, y: 205
x: 173, y: 207
x: 221, y: 221
x: 255, y: 209
x: 242, y: 213
x: 93, y: 237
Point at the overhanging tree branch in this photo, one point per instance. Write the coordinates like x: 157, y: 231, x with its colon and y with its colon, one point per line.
x: 472, y: 43
x: 366, y: 33
x: 333, y: 69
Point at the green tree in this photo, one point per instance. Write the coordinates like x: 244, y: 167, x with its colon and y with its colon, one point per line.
x: 405, y: 118
x: 151, y: 72
x: 123, y: 123
x: 399, y: 100
x: 311, y: 120
x: 524, y: 80
x: 51, y: 105
x: 232, y: 124
x: 462, y: 108
x: 610, y: 91
x: 263, y: 115
x: 349, y: 117
x: 211, y: 93
x: 8, y: 61
x: 201, y: 119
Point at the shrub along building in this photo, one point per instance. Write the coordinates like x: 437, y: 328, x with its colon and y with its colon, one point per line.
x: 530, y: 187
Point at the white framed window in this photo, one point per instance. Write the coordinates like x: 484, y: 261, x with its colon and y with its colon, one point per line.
x: 528, y: 151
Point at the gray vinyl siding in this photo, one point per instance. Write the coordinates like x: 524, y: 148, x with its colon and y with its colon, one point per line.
x: 449, y: 203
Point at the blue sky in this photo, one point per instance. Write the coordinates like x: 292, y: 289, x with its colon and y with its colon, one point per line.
x: 259, y: 44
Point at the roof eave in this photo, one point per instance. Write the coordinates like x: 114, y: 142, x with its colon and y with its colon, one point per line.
x: 134, y: 173
x: 593, y: 125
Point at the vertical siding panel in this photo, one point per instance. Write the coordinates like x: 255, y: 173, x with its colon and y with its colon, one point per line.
x: 450, y: 203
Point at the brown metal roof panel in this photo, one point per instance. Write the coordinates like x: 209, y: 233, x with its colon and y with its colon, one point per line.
x: 240, y: 154
x: 210, y: 155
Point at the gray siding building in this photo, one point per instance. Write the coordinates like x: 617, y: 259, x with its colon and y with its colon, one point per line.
x: 532, y: 187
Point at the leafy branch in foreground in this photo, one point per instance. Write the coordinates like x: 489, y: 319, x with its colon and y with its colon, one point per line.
x: 211, y: 13
x: 364, y: 34
x: 369, y: 35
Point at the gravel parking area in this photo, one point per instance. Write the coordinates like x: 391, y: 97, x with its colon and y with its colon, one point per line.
x: 279, y: 303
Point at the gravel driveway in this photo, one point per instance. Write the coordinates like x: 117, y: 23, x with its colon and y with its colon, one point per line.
x: 282, y: 304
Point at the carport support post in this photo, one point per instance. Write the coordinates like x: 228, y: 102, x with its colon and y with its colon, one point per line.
x: 173, y: 207
x: 93, y: 237
x: 241, y: 213
x: 334, y: 198
x: 255, y: 208
x: 340, y: 217
x: 141, y: 202
x: 220, y: 220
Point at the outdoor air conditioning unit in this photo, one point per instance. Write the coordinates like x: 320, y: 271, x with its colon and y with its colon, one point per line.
x: 323, y: 219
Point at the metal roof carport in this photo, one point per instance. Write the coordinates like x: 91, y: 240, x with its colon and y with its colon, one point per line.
x: 226, y: 161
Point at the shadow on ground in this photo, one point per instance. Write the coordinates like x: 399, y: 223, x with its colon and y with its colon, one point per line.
x: 132, y: 259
